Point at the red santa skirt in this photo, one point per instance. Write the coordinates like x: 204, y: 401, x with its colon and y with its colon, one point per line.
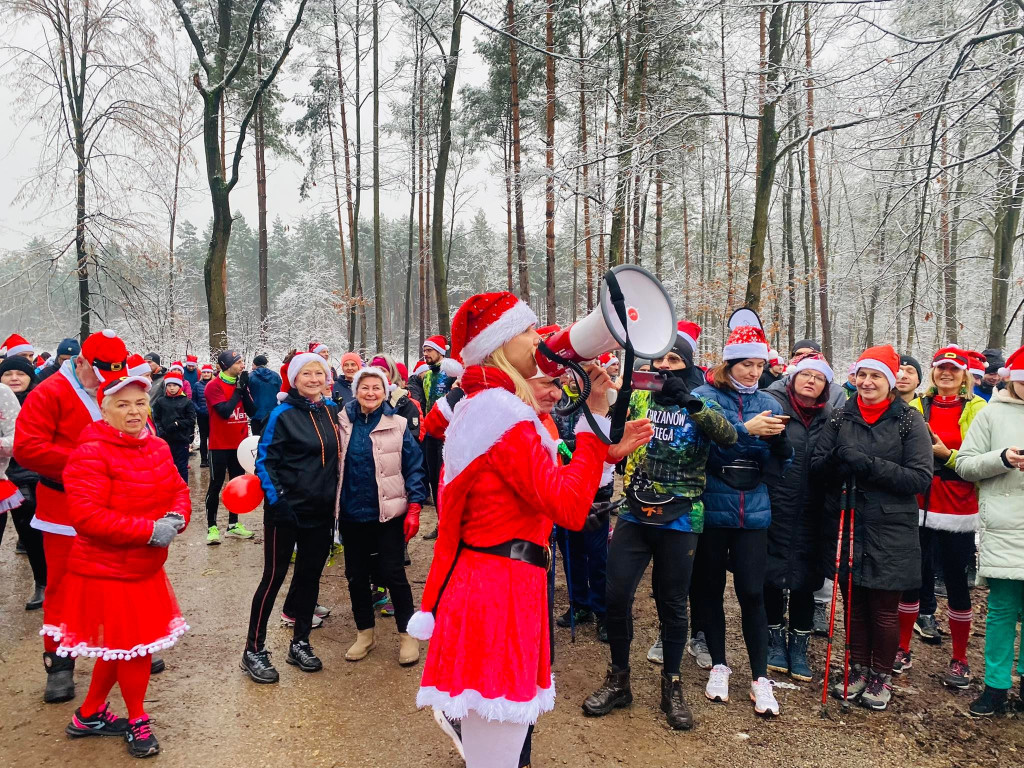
x: 10, y: 496
x: 113, y: 618
x: 490, y: 656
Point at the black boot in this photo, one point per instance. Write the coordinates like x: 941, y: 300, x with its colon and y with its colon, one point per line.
x: 36, y: 601
x: 156, y: 665
x: 778, y: 653
x: 614, y: 692
x: 991, y: 702
x: 60, y: 678
x: 673, y: 704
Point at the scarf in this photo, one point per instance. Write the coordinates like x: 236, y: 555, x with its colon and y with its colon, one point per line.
x: 805, y: 413
x: 228, y: 379
x: 872, y: 413
x: 480, y: 377
x: 741, y: 388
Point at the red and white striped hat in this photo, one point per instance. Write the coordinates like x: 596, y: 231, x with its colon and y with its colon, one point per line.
x: 689, y: 332
x: 174, y: 377
x: 437, y: 343
x: 746, y: 337
x: 177, y: 366
x: 976, y: 363
x: 15, y: 345
x: 882, y: 359
x: 485, y: 322
x: 1014, y: 368
x: 137, y: 365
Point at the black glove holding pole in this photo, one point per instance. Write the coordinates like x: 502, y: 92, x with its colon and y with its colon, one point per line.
x: 675, y: 391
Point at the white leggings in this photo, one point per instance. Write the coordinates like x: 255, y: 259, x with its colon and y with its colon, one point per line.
x: 491, y: 744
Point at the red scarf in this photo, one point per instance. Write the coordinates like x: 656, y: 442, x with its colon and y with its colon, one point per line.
x: 806, y: 413
x: 480, y: 377
x: 872, y: 413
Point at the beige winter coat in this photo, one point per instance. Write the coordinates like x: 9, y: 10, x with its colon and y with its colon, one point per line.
x: 998, y: 426
x: 386, y: 439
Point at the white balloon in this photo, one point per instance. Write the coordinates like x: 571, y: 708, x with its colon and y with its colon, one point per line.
x: 247, y: 453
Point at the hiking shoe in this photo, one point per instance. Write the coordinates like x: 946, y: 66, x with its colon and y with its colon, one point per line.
x: 799, y: 666
x: 19, y: 548
x: 35, y: 602
x: 656, y: 654
x: 388, y: 609
x: 903, y: 662
x: 581, y: 616
x: 103, y: 723
x: 380, y: 596
x: 926, y: 627
x: 717, y: 688
x: 257, y: 665
x: 321, y: 612
x: 820, y: 625
x: 680, y: 718
x: 204, y: 464
x: 614, y: 692
x: 156, y: 665
x: 858, y: 683
x: 140, y: 738
x: 697, y: 647
x: 60, y: 678
x: 991, y: 702
x: 240, y: 531
x: 213, y: 535
x: 289, y: 621
x: 958, y: 675
x: 763, y: 696
x: 778, y: 653
x: 301, y: 655
x: 432, y: 535
x: 452, y: 729
x: 878, y: 694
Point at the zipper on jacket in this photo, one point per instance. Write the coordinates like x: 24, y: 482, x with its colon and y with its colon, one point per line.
x: 739, y: 397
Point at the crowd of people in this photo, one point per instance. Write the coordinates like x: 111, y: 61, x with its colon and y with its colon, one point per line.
x: 799, y: 485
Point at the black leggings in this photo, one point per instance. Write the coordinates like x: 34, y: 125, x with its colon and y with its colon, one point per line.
x: 955, y: 552
x: 801, y: 608
x: 311, y: 545
x: 387, y: 540
x: 745, y: 553
x: 31, y: 539
x: 223, y: 464
x: 203, y: 423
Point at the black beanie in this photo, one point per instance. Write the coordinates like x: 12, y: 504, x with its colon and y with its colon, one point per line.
x: 994, y: 357
x: 806, y: 344
x: 908, y: 360
x: 18, y: 363
x: 260, y: 360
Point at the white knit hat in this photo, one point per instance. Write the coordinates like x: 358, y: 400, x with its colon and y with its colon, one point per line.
x: 303, y: 359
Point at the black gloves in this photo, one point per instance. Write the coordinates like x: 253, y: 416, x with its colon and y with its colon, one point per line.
x: 243, y: 379
x: 677, y: 392
x: 781, y: 447
x: 598, y: 516
x: 858, y: 461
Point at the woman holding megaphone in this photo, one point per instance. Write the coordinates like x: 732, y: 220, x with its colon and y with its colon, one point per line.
x: 297, y: 464
x: 488, y: 663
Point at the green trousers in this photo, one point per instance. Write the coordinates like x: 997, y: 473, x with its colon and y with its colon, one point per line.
x: 1005, y: 605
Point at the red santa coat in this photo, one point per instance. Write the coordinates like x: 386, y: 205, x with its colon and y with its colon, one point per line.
x: 115, y: 601
x: 501, y: 482
x: 52, y: 419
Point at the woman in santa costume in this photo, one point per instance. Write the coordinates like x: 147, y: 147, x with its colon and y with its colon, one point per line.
x: 488, y: 663
x: 127, y: 503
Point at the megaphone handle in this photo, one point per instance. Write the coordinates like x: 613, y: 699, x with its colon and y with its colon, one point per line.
x: 618, y: 426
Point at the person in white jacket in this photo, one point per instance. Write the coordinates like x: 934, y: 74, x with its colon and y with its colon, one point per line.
x: 992, y: 456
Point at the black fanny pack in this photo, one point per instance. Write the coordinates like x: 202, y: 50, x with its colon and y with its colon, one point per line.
x: 653, y: 508
x: 517, y: 549
x: 740, y: 474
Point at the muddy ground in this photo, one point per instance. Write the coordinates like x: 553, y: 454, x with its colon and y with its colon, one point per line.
x: 206, y: 712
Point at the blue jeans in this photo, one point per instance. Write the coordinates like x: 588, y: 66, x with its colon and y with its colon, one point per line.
x: 585, y: 560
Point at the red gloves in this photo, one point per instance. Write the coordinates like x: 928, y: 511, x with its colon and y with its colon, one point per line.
x: 412, y: 521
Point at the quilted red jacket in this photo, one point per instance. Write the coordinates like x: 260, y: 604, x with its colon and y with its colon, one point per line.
x: 116, y: 487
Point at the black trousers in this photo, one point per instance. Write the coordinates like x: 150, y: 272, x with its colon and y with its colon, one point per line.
x: 258, y: 425
x: 632, y: 548
x: 745, y: 553
x: 312, y: 546
x: 31, y: 538
x: 954, y: 551
x: 223, y: 464
x: 432, y: 456
x: 179, y: 453
x: 801, y: 608
x: 387, y: 540
x: 203, y: 422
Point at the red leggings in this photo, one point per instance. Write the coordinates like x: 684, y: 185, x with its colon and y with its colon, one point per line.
x: 56, y: 548
x: 133, y: 677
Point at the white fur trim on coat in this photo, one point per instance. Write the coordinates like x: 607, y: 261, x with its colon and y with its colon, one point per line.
x: 421, y: 625
x: 480, y: 421
x: 514, y: 321
x: 445, y: 409
x: 583, y: 426
x: 752, y: 349
x: 499, y: 709
x: 451, y: 367
x: 943, y: 521
x: 878, y: 365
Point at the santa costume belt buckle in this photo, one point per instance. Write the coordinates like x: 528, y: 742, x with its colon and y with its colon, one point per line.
x: 518, y: 549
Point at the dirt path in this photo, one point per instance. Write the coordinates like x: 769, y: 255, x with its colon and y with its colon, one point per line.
x: 207, y: 712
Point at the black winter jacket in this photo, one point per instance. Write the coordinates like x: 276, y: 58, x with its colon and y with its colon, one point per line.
x: 890, y: 462
x: 175, y: 418
x: 415, y: 387
x: 798, y: 498
x: 297, y: 462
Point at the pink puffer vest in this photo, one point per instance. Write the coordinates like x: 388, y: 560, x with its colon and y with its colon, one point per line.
x: 386, y: 439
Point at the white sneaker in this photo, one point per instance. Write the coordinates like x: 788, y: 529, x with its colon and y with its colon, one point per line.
x: 656, y: 655
x: 289, y: 621
x: 763, y: 696
x: 717, y: 688
x: 321, y: 612
x: 698, y: 648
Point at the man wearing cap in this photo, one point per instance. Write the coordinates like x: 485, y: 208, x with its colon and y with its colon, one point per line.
x: 229, y: 404
x: 437, y: 382
x: 67, y: 349
x: 264, y: 384
x: 987, y: 364
x: 51, y: 419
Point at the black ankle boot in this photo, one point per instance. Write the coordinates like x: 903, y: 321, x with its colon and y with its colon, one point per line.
x: 673, y: 704
x: 991, y: 702
x: 60, y: 678
x: 35, y: 602
x: 614, y: 692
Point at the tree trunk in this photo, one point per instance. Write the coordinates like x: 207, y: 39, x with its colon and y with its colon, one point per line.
x: 506, y: 156
x: 337, y: 207
x: 549, y: 161
x: 412, y: 204
x: 421, y: 242
x: 358, y: 306
x: 587, y: 247
x: 353, y: 235
x: 686, y: 239
x: 81, y: 256
x: 259, y: 138
x: 729, y: 265
x: 378, y: 258
x: 178, y: 159
x: 517, y: 166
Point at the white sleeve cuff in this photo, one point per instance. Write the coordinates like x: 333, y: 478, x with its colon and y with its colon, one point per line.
x: 583, y: 426
x: 421, y: 625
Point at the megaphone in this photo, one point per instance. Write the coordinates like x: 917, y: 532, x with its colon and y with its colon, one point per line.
x: 650, y: 319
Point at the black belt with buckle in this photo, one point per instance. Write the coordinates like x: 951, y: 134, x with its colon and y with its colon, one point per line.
x: 517, y: 549
x: 52, y: 484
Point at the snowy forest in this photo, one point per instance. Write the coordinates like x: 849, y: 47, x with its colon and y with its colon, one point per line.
x: 852, y: 169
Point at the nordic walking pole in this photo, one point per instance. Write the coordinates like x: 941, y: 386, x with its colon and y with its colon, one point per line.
x: 835, y: 590
x: 849, y: 596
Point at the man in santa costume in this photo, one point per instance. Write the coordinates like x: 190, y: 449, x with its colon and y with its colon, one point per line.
x: 52, y: 417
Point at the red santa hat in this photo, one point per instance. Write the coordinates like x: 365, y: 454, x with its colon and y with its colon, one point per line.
x: 607, y: 359
x: 883, y: 359
x: 371, y: 370
x: 1014, y: 368
x: 106, y: 353
x: 689, y: 332
x: 746, y: 337
x: 773, y: 358
x: 316, y: 348
x: 117, y: 383
x: 300, y: 361
x: 207, y: 367
x: 437, y: 343
x: 177, y: 366
x: 485, y: 322
x: 951, y: 356
x: 976, y: 363
x: 420, y: 368
x: 191, y: 360
x: 137, y: 365
x: 812, y: 363
x: 15, y: 345
x: 174, y: 377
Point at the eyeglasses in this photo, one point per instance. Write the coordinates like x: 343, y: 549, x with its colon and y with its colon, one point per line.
x: 815, y: 377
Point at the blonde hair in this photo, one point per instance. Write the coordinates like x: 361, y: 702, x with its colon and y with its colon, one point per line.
x: 965, y: 391
x: 524, y: 392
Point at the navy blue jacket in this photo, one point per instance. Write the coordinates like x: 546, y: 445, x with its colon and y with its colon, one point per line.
x: 199, y: 396
x: 264, y: 384
x: 342, y: 393
x: 724, y: 506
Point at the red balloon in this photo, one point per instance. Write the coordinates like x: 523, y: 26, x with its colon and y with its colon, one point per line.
x: 242, y: 495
